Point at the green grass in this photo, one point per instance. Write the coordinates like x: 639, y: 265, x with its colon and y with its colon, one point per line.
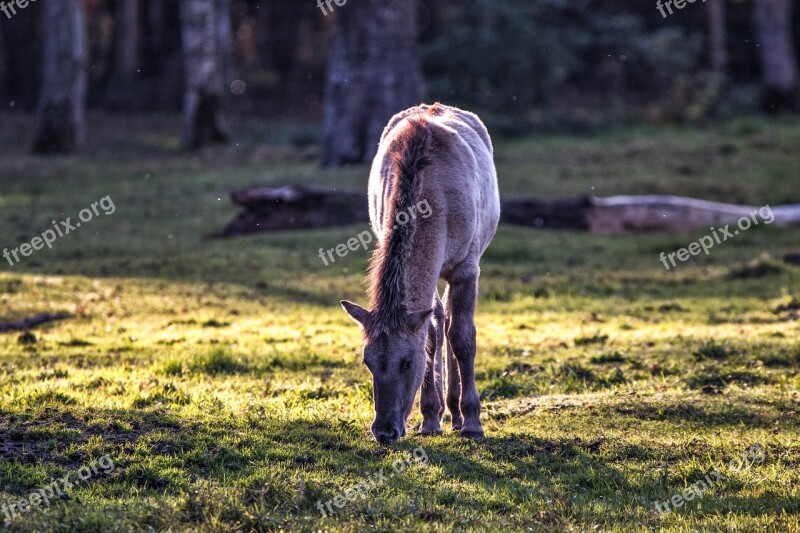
x: 224, y: 381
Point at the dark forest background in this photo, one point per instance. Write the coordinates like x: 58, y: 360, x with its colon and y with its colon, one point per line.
x: 524, y: 66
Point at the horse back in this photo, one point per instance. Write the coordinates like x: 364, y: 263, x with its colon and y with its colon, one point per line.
x: 459, y: 181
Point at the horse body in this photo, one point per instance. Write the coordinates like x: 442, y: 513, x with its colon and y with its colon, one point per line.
x: 441, y: 156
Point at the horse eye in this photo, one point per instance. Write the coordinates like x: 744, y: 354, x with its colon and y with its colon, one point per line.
x: 405, y: 365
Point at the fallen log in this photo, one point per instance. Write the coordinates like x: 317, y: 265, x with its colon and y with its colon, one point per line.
x: 645, y: 214
x: 304, y: 207
x: 31, y: 322
x: 294, y: 207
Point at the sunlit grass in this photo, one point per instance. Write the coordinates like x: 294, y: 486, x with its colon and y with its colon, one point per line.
x: 225, y: 382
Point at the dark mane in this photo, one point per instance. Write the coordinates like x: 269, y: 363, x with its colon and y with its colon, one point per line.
x: 387, y: 290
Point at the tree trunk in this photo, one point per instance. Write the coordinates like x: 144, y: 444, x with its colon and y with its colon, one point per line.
x: 206, y: 33
x: 162, y: 77
x: 374, y: 71
x: 122, y: 90
x: 773, y: 21
x: 22, y: 57
x: 718, y: 52
x: 60, y: 117
x: 718, y: 39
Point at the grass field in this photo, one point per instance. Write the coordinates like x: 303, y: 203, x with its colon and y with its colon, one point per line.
x: 224, y: 381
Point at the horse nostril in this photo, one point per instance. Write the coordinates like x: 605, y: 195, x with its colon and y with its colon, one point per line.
x: 386, y: 436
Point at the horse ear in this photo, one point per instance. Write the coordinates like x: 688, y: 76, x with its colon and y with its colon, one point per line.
x: 356, y: 312
x: 416, y: 319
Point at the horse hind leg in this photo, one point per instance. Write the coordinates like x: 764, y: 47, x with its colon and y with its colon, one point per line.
x: 432, y: 396
x: 453, y: 389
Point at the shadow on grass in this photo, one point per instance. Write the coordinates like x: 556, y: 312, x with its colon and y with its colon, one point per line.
x: 258, y: 471
x: 704, y: 412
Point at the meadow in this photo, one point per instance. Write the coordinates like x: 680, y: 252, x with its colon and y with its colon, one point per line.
x: 225, y: 383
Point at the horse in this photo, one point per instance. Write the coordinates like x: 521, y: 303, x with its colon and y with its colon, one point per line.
x: 442, y: 157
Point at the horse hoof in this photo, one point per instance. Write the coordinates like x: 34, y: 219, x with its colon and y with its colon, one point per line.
x: 471, y: 433
x: 430, y: 429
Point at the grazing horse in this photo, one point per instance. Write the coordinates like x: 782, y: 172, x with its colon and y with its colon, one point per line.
x: 441, y: 157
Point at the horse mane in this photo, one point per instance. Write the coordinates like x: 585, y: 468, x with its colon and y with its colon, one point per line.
x: 386, y: 279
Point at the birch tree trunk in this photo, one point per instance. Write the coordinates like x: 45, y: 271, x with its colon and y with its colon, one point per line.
x: 206, y: 35
x: 773, y: 20
x: 374, y: 71
x: 61, y: 112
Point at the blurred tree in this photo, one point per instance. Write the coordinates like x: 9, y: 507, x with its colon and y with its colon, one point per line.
x: 374, y: 71
x: 60, y: 116
x: 718, y: 54
x: 99, y: 20
x: 206, y: 33
x: 563, y: 63
x: 773, y: 20
x: 281, y: 51
x: 121, y: 88
x: 718, y: 37
x: 22, y: 56
x: 162, y: 64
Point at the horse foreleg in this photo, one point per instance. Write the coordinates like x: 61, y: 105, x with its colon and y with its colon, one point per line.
x: 462, y: 292
x: 453, y: 375
x: 432, y: 396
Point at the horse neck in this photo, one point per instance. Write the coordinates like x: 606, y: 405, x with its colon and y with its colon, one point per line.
x: 406, y: 283
x: 422, y: 273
